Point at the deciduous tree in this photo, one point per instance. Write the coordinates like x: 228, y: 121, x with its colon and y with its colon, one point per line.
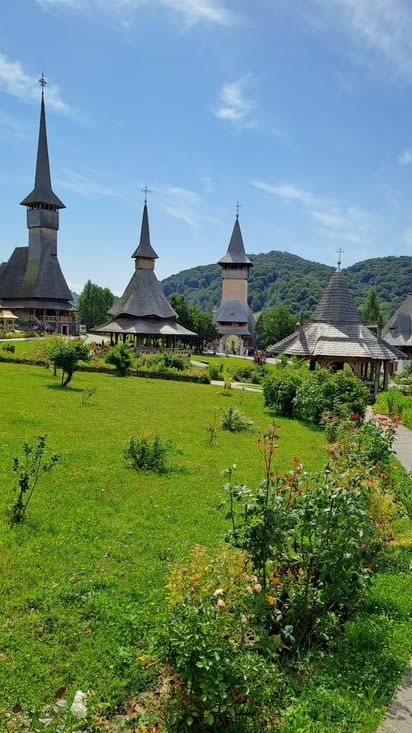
x: 93, y: 304
x: 273, y: 325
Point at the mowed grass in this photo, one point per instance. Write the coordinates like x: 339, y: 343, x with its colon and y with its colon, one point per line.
x: 82, y: 580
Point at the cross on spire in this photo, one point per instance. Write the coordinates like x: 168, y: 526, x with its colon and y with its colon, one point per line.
x: 145, y: 190
x: 237, y: 209
x: 42, y: 82
x: 339, y: 252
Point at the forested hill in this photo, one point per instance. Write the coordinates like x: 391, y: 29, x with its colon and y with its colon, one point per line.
x: 280, y: 277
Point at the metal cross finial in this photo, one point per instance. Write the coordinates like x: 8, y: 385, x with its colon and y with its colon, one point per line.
x: 146, y: 190
x: 237, y: 209
x: 339, y: 252
x: 42, y: 82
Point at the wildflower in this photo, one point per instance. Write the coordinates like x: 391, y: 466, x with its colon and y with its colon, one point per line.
x: 218, y: 592
x: 220, y: 605
x: 275, y: 579
x: 257, y: 587
x: 271, y: 600
x: 243, y: 618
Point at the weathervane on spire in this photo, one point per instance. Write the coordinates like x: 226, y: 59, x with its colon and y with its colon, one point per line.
x: 145, y: 190
x: 42, y: 82
x: 339, y: 252
x: 237, y: 209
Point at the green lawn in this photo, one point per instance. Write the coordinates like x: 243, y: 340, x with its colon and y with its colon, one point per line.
x: 82, y: 579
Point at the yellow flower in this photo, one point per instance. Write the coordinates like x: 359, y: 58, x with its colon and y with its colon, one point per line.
x: 272, y: 600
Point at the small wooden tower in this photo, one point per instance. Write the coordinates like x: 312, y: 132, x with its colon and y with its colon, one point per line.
x: 234, y: 317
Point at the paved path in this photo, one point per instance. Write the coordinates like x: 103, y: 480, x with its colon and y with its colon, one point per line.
x: 399, y: 715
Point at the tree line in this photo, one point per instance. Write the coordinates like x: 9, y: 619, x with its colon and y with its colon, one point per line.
x: 273, y: 324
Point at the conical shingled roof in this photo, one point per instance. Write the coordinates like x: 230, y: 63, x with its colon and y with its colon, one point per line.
x: 336, y: 304
x: 335, y: 330
x: 42, y: 192
x: 143, y: 298
x: 235, y: 254
x: 145, y: 249
x: 398, y: 330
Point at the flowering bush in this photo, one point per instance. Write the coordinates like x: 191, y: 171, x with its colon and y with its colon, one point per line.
x: 312, y: 539
x: 324, y: 391
x: 214, y: 644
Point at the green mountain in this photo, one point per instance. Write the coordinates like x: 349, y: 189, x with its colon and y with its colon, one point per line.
x: 280, y: 277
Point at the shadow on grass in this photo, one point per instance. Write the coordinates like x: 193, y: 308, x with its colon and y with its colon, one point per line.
x: 69, y: 388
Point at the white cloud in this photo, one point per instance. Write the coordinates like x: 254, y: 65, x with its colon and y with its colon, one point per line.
x: 287, y: 192
x: 86, y: 186
x: 405, y: 157
x: 234, y: 106
x: 15, y: 81
x: 191, y: 11
x: 377, y: 29
x: 348, y: 223
x: 181, y: 204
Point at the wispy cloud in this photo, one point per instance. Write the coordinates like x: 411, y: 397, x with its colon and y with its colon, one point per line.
x: 382, y: 28
x: 348, y: 223
x: 405, y: 157
x: 15, y: 81
x: 86, y: 186
x: 190, y: 11
x: 181, y: 204
x: 233, y: 105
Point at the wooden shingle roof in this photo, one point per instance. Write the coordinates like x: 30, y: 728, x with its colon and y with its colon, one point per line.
x: 335, y: 330
x: 144, y: 248
x: 235, y: 254
x: 398, y: 330
x: 42, y: 192
x: 143, y: 297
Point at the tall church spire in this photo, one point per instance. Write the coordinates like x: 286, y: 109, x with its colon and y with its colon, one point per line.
x: 42, y: 193
x: 145, y: 250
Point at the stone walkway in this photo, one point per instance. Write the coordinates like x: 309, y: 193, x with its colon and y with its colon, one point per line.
x: 399, y: 715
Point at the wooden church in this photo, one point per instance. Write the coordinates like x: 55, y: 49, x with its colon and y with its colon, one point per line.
x: 32, y: 284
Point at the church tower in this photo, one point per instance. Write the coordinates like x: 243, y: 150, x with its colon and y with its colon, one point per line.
x: 31, y: 282
x: 234, y: 317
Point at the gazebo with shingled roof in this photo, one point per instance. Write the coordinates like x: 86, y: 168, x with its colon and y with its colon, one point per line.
x: 334, y: 336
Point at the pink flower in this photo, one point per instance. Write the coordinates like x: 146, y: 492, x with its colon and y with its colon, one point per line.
x: 220, y: 605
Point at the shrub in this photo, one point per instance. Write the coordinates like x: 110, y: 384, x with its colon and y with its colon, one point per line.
x: 214, y: 647
x: 279, y: 390
x: 148, y: 455
x: 174, y: 361
x: 28, y: 470
x: 311, y: 539
x: 235, y: 421
x: 216, y: 371
x: 65, y: 356
x: 324, y: 391
x: 121, y: 358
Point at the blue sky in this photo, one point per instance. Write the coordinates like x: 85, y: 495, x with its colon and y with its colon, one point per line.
x: 301, y: 110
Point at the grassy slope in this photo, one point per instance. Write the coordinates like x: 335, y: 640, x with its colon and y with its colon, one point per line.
x: 82, y: 579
